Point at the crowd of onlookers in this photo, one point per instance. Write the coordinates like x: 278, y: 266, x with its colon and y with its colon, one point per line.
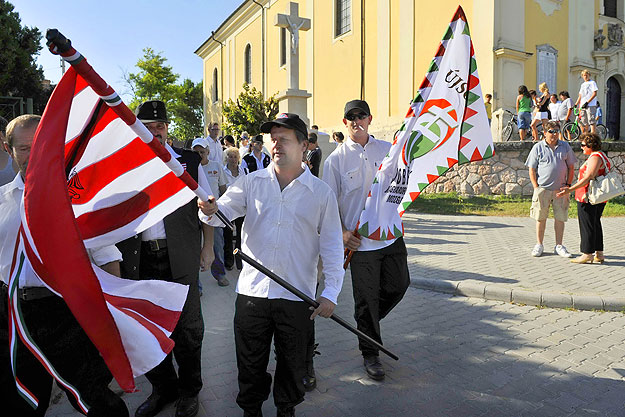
x: 537, y: 108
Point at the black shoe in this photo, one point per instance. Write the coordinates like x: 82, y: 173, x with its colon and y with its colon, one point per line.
x: 374, y: 368
x: 187, y: 407
x: 310, y: 382
x: 154, y: 404
x: 286, y: 412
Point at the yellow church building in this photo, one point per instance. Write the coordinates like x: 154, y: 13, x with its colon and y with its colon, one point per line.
x: 379, y: 51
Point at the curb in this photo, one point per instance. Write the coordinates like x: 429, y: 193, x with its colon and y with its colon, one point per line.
x: 539, y: 299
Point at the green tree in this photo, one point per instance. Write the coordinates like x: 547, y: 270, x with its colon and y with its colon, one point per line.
x: 248, y: 112
x: 156, y: 80
x: 20, y: 76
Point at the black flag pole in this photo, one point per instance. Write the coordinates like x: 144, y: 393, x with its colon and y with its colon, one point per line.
x: 299, y: 293
x: 312, y: 302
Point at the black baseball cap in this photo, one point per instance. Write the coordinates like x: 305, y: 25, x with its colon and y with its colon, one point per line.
x: 288, y: 120
x: 152, y: 111
x: 357, y: 105
x: 258, y: 138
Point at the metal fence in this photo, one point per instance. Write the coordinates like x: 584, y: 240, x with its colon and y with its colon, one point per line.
x: 11, y: 107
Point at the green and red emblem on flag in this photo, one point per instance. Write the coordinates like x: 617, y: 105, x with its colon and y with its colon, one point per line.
x: 446, y: 124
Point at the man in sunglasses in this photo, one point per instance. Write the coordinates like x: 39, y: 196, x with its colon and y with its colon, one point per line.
x: 551, y: 165
x: 380, y: 275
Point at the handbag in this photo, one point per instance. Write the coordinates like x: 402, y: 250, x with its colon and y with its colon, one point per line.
x: 605, y: 187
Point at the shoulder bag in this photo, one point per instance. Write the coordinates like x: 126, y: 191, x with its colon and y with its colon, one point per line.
x: 605, y: 187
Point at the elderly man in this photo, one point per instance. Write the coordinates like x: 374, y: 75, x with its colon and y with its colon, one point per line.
x: 302, y: 215
x: 48, y: 319
x: 380, y: 275
x: 170, y: 251
x: 551, y: 165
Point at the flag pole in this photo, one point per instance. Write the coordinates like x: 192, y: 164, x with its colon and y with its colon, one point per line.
x: 60, y: 45
x: 311, y: 302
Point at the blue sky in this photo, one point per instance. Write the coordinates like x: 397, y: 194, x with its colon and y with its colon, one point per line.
x: 112, y: 34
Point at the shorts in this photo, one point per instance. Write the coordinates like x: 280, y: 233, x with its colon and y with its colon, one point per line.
x: 542, y: 198
x: 524, y: 119
x: 585, y: 114
x: 541, y: 115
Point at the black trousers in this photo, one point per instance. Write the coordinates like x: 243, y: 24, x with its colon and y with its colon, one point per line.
x: 590, y: 230
x: 187, y: 335
x: 256, y: 322
x: 380, y: 279
x: 60, y: 337
x: 229, y: 258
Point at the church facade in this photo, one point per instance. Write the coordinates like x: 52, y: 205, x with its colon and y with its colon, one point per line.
x: 379, y: 50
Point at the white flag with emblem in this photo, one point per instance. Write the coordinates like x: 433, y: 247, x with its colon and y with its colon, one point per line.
x: 446, y: 124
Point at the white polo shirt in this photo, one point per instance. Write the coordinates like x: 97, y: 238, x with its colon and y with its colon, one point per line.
x: 349, y: 172
x: 286, y: 231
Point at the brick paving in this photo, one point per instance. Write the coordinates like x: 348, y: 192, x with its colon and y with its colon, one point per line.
x: 459, y: 356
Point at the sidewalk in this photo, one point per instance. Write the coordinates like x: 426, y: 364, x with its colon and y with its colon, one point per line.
x: 489, y: 257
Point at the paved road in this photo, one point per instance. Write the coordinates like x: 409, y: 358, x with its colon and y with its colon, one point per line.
x: 459, y: 356
x: 494, y: 252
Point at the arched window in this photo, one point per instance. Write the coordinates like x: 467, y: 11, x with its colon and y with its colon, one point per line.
x: 248, y: 64
x: 215, y: 86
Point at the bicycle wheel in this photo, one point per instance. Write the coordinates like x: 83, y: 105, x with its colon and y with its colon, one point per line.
x: 602, y: 131
x: 571, y: 131
x: 506, y: 134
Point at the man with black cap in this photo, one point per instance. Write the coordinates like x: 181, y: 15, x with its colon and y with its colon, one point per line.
x: 302, y: 215
x: 379, y: 269
x: 170, y: 251
x: 256, y: 159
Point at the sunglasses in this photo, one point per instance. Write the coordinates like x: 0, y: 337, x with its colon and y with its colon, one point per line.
x: 583, y: 145
x: 552, y: 131
x: 359, y: 116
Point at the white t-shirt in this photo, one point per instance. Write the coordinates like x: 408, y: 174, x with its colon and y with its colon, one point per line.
x: 553, y: 108
x: 586, y: 91
x: 564, y: 108
x: 215, y: 176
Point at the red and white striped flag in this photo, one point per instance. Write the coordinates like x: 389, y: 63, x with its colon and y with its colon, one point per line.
x: 93, y: 180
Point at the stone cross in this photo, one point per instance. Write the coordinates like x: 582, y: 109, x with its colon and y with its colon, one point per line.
x: 293, y: 23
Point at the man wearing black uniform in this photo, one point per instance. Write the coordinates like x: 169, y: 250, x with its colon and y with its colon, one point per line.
x: 256, y: 159
x: 170, y: 251
x: 313, y: 157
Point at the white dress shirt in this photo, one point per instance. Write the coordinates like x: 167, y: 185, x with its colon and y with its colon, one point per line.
x: 349, y: 172
x: 158, y: 230
x: 10, y: 202
x: 286, y: 231
x: 216, y: 151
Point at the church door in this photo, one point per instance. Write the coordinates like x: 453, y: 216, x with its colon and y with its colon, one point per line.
x: 613, y: 108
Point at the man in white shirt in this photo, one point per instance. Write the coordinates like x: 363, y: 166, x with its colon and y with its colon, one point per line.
x: 587, y: 102
x: 217, y: 181
x: 379, y: 269
x: 256, y: 159
x: 214, y: 144
x: 291, y: 219
x: 48, y: 319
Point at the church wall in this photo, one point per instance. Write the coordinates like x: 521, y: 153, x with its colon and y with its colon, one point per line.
x: 250, y: 34
x: 547, y: 26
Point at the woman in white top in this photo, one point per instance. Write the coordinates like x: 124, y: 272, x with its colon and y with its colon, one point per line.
x: 233, y: 172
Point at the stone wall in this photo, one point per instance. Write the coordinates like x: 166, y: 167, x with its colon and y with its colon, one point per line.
x: 506, y: 174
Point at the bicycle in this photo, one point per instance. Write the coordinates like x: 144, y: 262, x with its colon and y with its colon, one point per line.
x: 572, y: 130
x: 509, y: 128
